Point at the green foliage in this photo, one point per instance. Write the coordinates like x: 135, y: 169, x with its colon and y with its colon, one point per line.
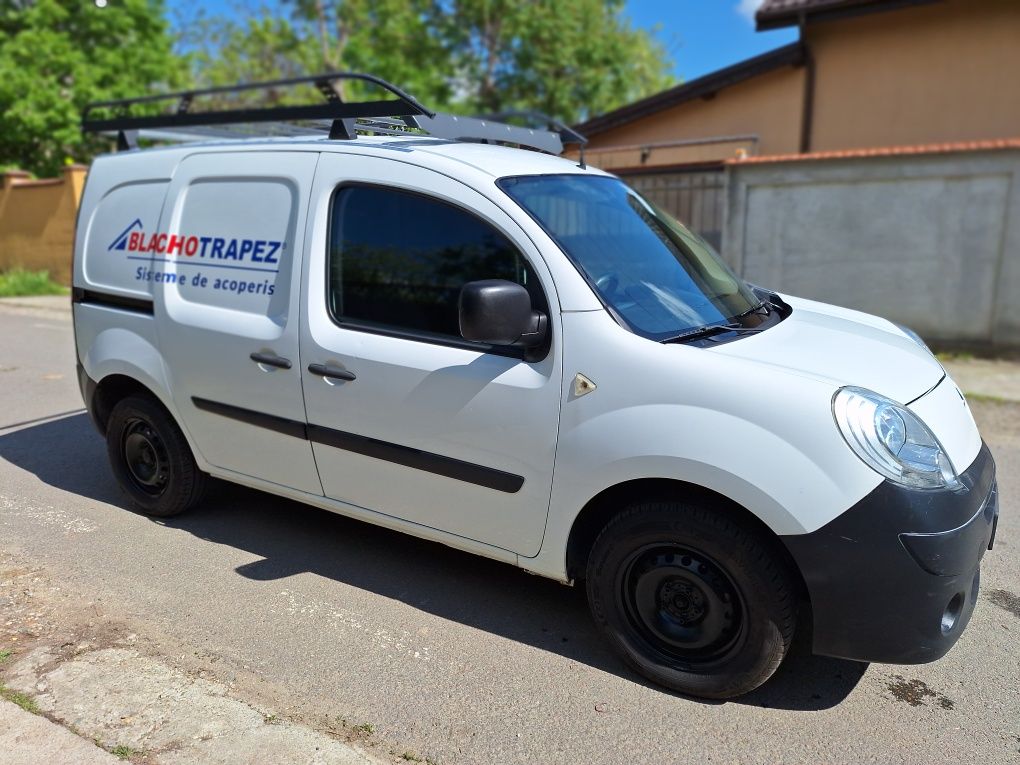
x: 57, y: 55
x: 259, y: 48
x: 21, y: 283
x: 570, y: 59
x: 124, y: 752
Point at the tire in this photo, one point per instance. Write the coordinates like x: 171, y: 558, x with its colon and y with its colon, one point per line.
x: 151, y: 459
x: 692, y: 599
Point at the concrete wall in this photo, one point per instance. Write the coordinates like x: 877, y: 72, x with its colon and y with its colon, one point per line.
x: 931, y: 241
x: 37, y: 221
x: 928, y: 73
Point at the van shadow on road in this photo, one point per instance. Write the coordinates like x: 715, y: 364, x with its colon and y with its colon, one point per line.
x: 293, y: 538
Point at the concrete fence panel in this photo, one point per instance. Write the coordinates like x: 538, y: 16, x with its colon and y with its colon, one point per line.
x: 931, y: 241
x: 37, y: 221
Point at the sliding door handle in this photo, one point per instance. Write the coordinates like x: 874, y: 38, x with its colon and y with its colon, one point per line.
x: 270, y: 360
x: 331, y: 373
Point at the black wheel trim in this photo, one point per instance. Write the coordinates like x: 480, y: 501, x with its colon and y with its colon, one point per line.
x: 145, y: 456
x: 682, y: 607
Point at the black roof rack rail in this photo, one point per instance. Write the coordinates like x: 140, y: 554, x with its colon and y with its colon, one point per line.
x: 342, y: 113
x: 402, y: 115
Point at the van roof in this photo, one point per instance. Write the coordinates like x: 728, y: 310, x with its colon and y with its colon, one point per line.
x: 492, y: 160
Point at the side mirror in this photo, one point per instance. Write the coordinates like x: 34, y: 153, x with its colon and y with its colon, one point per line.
x: 499, y: 312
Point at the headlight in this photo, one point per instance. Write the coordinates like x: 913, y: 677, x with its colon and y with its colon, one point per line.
x: 893, y: 440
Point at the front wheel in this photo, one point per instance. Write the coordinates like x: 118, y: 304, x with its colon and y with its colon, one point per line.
x: 691, y: 598
x: 151, y: 458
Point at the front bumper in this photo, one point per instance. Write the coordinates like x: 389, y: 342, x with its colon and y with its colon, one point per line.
x: 895, y: 578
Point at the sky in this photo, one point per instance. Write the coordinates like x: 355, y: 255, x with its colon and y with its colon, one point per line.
x: 705, y: 35
x: 700, y: 35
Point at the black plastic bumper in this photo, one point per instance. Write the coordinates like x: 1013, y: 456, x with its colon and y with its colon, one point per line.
x: 895, y: 578
x: 87, y: 386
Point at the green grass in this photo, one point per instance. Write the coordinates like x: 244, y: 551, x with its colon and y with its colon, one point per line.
x: 985, y: 398
x: 25, y: 702
x: 124, y: 752
x: 954, y: 356
x: 21, y: 283
x: 366, y: 728
x: 5, y: 655
x: 410, y: 757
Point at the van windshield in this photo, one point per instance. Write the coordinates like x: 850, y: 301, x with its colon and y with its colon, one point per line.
x: 657, y: 277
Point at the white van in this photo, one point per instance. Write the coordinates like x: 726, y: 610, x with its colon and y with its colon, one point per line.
x: 517, y: 355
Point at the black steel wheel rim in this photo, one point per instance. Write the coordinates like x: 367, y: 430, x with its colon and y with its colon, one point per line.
x: 682, y: 605
x: 146, y: 457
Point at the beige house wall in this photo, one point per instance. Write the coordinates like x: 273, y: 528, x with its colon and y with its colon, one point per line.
x: 768, y: 107
x: 924, y: 74
x: 37, y: 221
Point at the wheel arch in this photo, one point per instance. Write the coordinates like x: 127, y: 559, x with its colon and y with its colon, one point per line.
x: 605, y: 505
x: 113, y: 388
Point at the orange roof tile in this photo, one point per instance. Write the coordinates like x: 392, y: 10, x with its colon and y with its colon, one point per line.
x: 995, y: 144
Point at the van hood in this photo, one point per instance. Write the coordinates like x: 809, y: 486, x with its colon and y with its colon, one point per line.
x: 844, y: 347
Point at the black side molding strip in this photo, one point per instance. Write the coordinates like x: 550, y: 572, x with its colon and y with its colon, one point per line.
x: 490, y: 478
x: 259, y: 419
x: 417, y: 459
x: 109, y: 300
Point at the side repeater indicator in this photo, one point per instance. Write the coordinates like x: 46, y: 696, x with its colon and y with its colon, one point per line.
x: 582, y: 385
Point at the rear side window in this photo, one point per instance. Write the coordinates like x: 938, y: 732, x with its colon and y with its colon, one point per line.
x: 398, y: 259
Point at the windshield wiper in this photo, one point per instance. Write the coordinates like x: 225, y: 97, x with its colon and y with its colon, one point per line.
x: 762, y: 304
x: 708, y: 331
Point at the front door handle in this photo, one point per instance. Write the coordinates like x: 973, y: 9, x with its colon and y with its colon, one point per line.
x: 271, y: 360
x: 331, y: 372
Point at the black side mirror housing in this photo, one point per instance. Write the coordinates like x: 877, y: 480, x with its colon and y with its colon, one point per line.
x: 499, y: 312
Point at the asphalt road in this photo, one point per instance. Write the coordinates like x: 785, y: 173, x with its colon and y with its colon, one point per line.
x: 455, y: 657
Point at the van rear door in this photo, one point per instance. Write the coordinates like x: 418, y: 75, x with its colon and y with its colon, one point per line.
x: 225, y: 271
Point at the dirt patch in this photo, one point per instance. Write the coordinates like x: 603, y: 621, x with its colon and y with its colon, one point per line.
x: 916, y: 693
x: 1006, y: 600
x: 144, y: 696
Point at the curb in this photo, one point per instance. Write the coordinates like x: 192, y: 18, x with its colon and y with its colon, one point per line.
x: 28, y: 739
x: 52, y: 303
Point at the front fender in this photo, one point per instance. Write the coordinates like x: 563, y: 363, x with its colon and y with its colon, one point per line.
x: 790, y: 488
x: 760, y: 436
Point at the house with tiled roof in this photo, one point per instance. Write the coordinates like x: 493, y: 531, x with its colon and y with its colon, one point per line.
x: 864, y: 74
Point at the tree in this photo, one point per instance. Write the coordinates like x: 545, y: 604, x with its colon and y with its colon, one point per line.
x: 257, y: 49
x: 571, y: 59
x: 403, y: 41
x: 58, y: 55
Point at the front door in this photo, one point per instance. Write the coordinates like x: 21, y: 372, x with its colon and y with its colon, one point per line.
x: 405, y: 417
x: 226, y: 268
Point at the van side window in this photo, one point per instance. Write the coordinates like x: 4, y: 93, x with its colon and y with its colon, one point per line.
x: 398, y: 260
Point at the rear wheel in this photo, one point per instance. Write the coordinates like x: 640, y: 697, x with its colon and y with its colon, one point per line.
x: 151, y: 458
x: 692, y: 599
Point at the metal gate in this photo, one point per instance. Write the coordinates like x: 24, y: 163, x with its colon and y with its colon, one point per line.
x: 694, y: 197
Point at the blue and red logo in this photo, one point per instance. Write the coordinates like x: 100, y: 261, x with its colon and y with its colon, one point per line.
x: 133, y: 239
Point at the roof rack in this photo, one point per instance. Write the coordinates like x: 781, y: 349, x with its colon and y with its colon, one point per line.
x: 567, y: 134
x: 342, y: 120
